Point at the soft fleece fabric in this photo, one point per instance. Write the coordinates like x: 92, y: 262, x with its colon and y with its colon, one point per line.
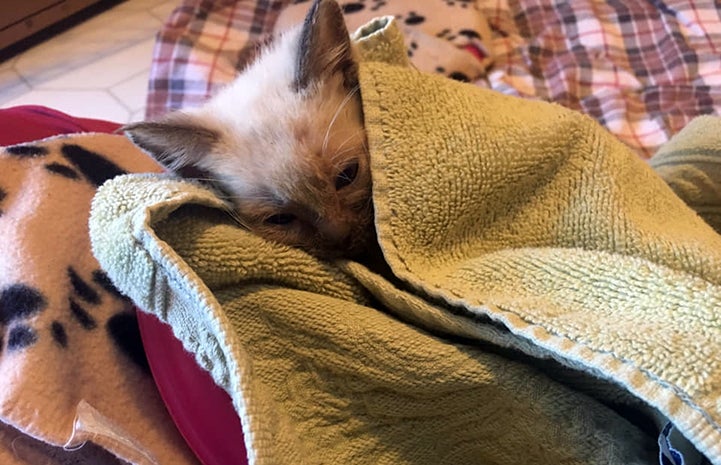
x: 74, y: 385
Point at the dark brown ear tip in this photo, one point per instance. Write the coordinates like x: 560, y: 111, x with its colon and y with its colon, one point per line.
x: 134, y: 126
x: 328, y: 4
x: 324, y: 45
x: 330, y: 9
x: 313, y: 11
x: 131, y: 126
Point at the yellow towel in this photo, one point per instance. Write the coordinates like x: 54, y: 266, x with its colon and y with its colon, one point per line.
x: 691, y: 164
x: 552, y: 285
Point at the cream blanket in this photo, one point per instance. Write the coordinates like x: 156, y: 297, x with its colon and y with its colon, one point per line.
x: 555, y: 301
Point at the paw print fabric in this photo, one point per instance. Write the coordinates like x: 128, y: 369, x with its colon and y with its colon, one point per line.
x: 68, y: 339
x: 442, y: 36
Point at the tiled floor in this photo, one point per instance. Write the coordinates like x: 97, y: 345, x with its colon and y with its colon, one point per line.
x: 97, y: 69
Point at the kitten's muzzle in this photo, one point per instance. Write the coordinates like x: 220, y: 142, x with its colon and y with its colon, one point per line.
x: 335, y: 231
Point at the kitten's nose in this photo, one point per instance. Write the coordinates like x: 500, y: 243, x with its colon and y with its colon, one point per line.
x: 335, y: 230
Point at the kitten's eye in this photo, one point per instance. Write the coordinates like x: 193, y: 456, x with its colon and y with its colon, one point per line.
x: 281, y: 219
x: 346, y: 176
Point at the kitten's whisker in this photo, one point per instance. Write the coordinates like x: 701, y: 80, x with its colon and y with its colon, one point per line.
x: 236, y: 218
x: 342, y: 105
x: 226, y: 197
x: 340, y: 161
x: 340, y: 152
x: 210, y: 180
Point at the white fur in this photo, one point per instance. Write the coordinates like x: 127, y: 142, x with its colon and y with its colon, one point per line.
x: 285, y: 127
x: 293, y: 163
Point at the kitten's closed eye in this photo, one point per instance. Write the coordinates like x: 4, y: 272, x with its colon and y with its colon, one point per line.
x: 347, y: 176
x: 281, y: 219
x: 295, y: 166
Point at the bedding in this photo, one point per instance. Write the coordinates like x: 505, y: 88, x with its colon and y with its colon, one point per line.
x: 203, y: 44
x: 74, y: 383
x: 641, y: 68
x: 532, y: 282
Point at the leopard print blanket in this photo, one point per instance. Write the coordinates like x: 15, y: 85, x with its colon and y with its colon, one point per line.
x: 72, y: 366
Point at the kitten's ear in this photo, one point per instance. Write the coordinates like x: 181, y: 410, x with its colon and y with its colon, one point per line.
x: 324, y: 47
x: 176, y: 141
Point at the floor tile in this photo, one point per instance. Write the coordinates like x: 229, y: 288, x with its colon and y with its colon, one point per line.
x: 105, y: 34
x: 132, y: 92
x: 136, y: 116
x: 7, y: 63
x: 48, y: 62
x: 163, y: 10
x: 98, y: 68
x: 105, y: 71
x: 142, y: 5
x: 117, y: 20
x: 11, y: 85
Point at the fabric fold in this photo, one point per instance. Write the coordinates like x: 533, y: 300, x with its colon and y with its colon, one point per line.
x: 546, y: 274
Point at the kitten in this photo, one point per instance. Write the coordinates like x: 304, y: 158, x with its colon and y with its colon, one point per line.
x: 284, y: 141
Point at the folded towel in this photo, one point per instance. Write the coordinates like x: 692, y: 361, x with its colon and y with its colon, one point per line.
x: 691, y: 164
x: 557, y: 301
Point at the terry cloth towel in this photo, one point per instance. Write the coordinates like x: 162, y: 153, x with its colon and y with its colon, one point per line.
x: 553, y: 301
x: 691, y: 164
x: 72, y: 368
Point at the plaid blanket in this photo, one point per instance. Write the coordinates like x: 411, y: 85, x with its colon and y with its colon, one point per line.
x: 202, y: 45
x: 642, y: 68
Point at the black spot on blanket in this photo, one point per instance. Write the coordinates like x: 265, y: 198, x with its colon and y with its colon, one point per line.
x: 82, y: 316
x: 101, y: 279
x: 352, y: 7
x: 21, y: 336
x: 461, y: 3
x: 82, y: 289
x: 470, y: 33
x: 95, y: 167
x: 412, y: 47
x: 27, y: 150
x: 59, y: 334
x: 123, y: 329
x: 414, y: 18
x: 62, y: 170
x: 458, y: 76
x: 20, y: 301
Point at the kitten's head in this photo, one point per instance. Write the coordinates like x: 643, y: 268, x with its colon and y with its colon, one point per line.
x: 284, y: 141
